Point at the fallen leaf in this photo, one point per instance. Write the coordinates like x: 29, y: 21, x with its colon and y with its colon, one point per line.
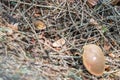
x: 107, y: 47
x: 59, y: 43
x: 39, y: 25
x: 111, y: 55
x: 9, y: 31
x: 107, y: 67
x: 13, y: 26
x: 117, y: 73
x: 92, y: 3
x: 115, y: 2
x: 2, y: 33
x: 93, y: 22
x: 36, y: 14
x: 70, y: 1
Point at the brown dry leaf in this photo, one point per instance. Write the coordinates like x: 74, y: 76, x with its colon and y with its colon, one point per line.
x: 70, y: 1
x: 39, y: 25
x: 107, y: 67
x: 2, y: 34
x: 37, y: 15
x: 92, y: 3
x: 117, y: 73
x: 91, y: 39
x: 107, y: 46
x: 13, y: 27
x: 93, y: 22
x: 1, y: 22
x: 59, y: 43
x: 111, y: 55
x: 115, y: 2
x: 9, y: 31
x: 6, y: 30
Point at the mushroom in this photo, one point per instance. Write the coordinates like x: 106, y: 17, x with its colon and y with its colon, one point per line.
x: 93, y: 59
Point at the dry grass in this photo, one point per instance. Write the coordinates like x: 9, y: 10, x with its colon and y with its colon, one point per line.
x: 26, y: 53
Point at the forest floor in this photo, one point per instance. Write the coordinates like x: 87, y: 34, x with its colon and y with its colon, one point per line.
x: 44, y: 39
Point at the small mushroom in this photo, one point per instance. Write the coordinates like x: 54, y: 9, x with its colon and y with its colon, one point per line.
x: 93, y: 59
x: 40, y: 25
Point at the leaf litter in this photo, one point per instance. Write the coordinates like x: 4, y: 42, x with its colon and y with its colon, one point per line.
x: 39, y: 39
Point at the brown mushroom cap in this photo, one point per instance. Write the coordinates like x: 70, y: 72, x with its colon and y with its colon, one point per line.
x: 93, y: 59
